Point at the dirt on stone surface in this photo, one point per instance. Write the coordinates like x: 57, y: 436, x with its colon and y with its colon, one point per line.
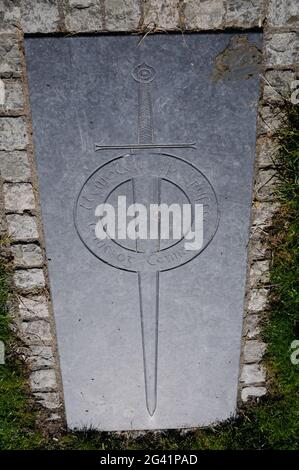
x: 240, y: 60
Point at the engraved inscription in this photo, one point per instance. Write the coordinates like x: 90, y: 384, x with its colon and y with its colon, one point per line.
x: 100, y: 186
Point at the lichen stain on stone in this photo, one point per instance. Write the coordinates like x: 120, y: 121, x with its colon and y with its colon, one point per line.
x: 240, y: 60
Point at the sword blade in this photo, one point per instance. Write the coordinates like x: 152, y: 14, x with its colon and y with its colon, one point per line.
x: 148, y: 283
x: 146, y: 191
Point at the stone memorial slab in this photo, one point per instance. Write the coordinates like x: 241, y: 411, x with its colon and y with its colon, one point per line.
x: 149, y: 329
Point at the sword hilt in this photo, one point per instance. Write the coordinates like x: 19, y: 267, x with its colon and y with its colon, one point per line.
x: 144, y: 75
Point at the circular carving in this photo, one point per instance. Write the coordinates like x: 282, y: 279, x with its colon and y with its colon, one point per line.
x: 120, y: 173
x: 144, y: 73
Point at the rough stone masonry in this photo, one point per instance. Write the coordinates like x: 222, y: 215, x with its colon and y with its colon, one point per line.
x: 278, y: 19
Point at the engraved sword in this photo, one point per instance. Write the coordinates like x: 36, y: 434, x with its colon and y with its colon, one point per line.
x: 147, y: 191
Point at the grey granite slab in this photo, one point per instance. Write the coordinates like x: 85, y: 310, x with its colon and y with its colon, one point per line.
x: 149, y: 338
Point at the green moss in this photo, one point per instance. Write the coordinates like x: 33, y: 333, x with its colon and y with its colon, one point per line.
x: 271, y: 424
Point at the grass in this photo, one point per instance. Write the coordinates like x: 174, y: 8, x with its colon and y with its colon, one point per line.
x: 271, y: 424
x: 17, y: 419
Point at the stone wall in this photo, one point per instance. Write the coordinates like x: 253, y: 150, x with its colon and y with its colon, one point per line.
x: 32, y: 311
x: 280, y: 69
x: 83, y: 16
